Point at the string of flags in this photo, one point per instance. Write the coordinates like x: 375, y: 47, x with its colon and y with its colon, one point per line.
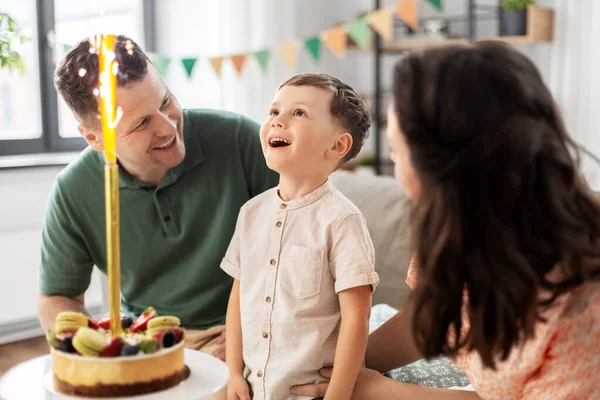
x: 381, y: 21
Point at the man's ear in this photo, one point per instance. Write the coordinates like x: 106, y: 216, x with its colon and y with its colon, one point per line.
x: 92, y: 136
x: 340, y: 146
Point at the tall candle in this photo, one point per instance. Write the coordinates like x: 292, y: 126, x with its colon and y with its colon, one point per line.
x: 108, y: 85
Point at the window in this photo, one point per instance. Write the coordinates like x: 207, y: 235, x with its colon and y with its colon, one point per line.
x: 33, y: 118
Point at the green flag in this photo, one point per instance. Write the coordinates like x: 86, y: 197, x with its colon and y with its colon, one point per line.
x: 313, y: 45
x: 359, y: 31
x: 436, y: 3
x: 67, y: 47
x: 162, y: 64
x: 262, y: 56
x: 188, y: 64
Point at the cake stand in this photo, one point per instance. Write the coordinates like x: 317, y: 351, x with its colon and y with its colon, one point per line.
x: 32, y: 380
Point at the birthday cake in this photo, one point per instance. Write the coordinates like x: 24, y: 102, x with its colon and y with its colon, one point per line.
x: 87, y: 361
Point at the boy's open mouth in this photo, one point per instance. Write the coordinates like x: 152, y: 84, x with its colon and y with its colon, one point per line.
x: 278, y: 142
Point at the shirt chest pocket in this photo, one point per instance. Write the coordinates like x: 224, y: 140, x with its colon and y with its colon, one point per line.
x: 301, y: 271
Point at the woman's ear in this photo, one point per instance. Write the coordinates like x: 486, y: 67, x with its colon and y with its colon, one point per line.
x: 91, y: 136
x: 340, y: 146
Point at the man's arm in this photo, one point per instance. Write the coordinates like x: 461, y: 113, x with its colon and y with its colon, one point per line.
x: 50, y: 306
x: 391, y: 345
x: 65, y: 262
x: 355, y: 306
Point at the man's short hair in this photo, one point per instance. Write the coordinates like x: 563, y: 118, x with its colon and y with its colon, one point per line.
x: 76, y: 76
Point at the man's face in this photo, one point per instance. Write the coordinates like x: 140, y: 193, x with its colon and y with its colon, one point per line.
x: 149, y: 135
x: 299, y: 130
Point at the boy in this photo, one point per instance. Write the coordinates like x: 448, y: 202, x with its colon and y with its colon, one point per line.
x: 301, y: 255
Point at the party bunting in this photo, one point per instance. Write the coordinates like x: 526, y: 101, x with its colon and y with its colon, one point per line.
x: 217, y: 64
x: 437, y: 4
x: 313, y: 45
x: 289, y: 53
x: 359, y: 31
x: 407, y: 11
x: 336, y: 40
x: 67, y: 47
x: 238, y: 61
x: 262, y: 57
x: 382, y: 22
x: 188, y: 64
x: 161, y: 63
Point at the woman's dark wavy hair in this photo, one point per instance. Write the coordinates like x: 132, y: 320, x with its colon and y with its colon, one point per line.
x: 502, y: 204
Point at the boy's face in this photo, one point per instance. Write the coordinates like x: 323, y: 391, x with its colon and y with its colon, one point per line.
x: 299, y: 136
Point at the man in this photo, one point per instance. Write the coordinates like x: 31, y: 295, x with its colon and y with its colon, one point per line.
x: 183, y: 177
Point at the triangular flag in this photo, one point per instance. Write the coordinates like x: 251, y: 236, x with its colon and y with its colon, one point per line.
x: 407, y: 11
x: 262, y: 56
x: 238, y: 62
x: 217, y: 64
x: 336, y: 40
x: 188, y: 64
x: 313, y: 45
x: 289, y: 53
x: 437, y: 4
x: 67, y: 47
x: 359, y: 31
x: 161, y: 63
x: 382, y: 22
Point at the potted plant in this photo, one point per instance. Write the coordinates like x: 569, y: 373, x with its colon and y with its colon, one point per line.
x: 10, y: 33
x: 513, y: 17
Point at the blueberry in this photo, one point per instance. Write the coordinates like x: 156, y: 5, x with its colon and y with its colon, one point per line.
x: 168, y: 339
x: 126, y: 321
x: 129, y: 350
x: 66, y: 345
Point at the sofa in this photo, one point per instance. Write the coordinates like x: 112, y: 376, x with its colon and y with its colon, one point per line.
x: 384, y: 206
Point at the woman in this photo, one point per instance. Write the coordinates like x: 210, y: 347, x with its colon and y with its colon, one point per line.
x: 506, y: 272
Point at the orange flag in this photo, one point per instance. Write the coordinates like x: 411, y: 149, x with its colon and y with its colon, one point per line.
x: 336, y: 40
x: 216, y: 63
x: 238, y: 61
x: 407, y: 11
x: 382, y: 22
x: 289, y: 53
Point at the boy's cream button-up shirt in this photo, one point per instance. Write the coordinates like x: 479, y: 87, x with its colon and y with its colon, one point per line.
x: 292, y: 259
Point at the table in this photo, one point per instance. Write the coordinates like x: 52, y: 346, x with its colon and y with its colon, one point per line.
x: 32, y: 380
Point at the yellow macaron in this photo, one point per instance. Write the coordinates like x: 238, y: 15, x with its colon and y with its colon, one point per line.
x: 89, y: 342
x: 70, y: 321
x: 158, y: 324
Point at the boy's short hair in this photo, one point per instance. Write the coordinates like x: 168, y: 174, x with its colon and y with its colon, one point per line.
x: 346, y: 106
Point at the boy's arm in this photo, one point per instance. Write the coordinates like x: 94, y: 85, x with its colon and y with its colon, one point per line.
x: 355, y: 306
x: 233, y: 332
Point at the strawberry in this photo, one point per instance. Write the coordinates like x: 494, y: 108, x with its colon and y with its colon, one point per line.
x: 113, y: 349
x: 178, y: 334
x: 104, y: 323
x: 93, y: 324
x: 142, y: 322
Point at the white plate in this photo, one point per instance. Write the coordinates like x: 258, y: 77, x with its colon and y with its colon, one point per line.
x: 32, y: 380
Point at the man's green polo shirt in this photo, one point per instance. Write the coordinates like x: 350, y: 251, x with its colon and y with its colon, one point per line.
x: 173, y: 236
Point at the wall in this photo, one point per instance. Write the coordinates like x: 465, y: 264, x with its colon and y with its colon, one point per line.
x: 22, y: 203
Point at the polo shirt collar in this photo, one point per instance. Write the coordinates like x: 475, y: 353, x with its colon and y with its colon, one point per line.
x: 193, y: 157
x: 304, y: 200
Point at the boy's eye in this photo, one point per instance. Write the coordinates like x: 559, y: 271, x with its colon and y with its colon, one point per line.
x: 299, y: 113
x: 273, y: 112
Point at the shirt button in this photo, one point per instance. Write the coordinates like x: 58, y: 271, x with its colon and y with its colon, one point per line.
x: 278, y: 224
x: 259, y: 374
x: 283, y: 206
x: 273, y: 262
x: 268, y: 299
x: 265, y: 335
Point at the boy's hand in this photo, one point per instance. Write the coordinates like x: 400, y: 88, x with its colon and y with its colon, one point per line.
x: 237, y: 388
